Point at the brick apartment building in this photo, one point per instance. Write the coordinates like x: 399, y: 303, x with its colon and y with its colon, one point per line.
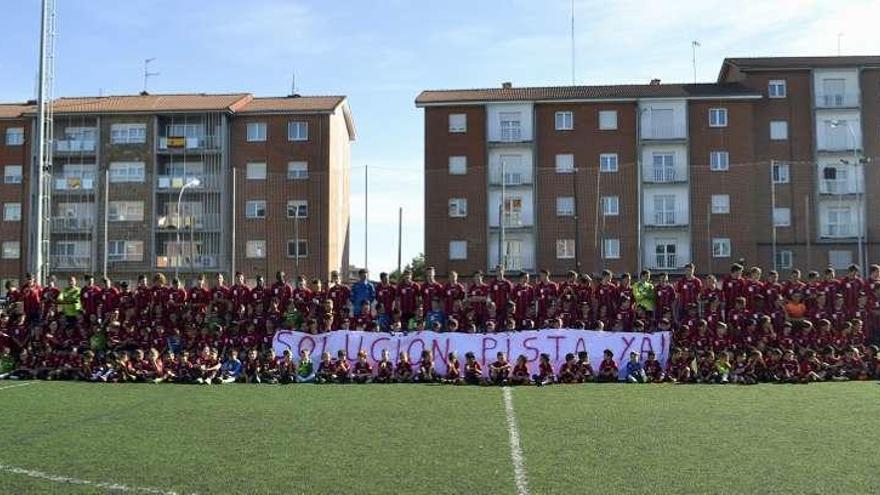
x: 770, y: 163
x: 188, y: 183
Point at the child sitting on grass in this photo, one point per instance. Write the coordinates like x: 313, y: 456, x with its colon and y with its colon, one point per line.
x: 608, y: 371
x: 499, y: 371
x: 473, y: 372
x: 453, y: 370
x: 403, y: 373
x: 384, y: 368
x: 653, y: 369
x: 426, y: 373
x: 326, y: 369
x: 545, y: 371
x: 635, y: 373
x: 231, y: 369
x: 520, y: 374
x: 568, y: 370
x: 722, y: 367
x: 363, y: 370
x: 305, y: 371
x: 343, y: 367
x: 584, y: 369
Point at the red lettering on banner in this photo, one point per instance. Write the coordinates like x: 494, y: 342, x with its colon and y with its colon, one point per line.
x: 580, y: 345
x: 373, y: 349
x: 311, y: 349
x: 439, y: 354
x: 508, y: 348
x: 557, y: 338
x: 345, y: 346
x: 650, y: 347
x: 494, y: 345
x: 528, y: 347
x: 412, y: 357
x: 627, y: 344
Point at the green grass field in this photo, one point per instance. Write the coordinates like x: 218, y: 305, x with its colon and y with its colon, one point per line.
x: 818, y: 438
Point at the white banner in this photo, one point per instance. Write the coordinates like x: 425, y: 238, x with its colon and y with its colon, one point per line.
x: 532, y: 343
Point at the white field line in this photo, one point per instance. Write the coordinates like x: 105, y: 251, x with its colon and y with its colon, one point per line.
x: 104, y: 485
x: 516, y: 455
x: 25, y: 384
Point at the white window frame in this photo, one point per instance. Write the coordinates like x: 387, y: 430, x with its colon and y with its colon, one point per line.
x: 10, y: 250
x: 610, y: 206
x: 302, y: 248
x: 122, y: 250
x: 564, y: 163
x: 457, y: 165
x: 662, y: 252
x: 255, y: 249
x: 457, y: 246
x: 510, y: 126
x: 665, y: 209
x: 773, y: 88
x: 297, y: 170
x: 11, y: 212
x: 720, y: 204
x: 457, y: 123
x: 779, y: 130
x: 297, y: 208
x: 126, y: 211
x: 256, y: 132
x: 611, y: 249
x: 781, y: 172
x: 721, y: 247
x: 607, y: 120
x: 663, y: 167
x: 717, y: 117
x: 784, y: 259
x: 564, y: 120
x: 844, y: 253
x: 457, y: 207
x: 781, y: 217
x: 252, y: 209
x: 256, y: 171
x: 841, y: 227
x: 719, y: 160
x: 128, y: 133
x: 14, y: 136
x: 125, y: 172
x: 9, y: 175
x: 298, y: 130
x: 565, y: 206
x: 565, y: 249
x: 609, y: 162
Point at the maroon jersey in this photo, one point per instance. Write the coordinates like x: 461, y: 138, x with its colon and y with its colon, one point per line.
x: 688, y: 290
x: 428, y: 291
x: 260, y: 296
x: 199, y: 297
x: 479, y: 291
x: 385, y: 295
x: 283, y: 292
x: 851, y: 289
x: 731, y: 288
x: 664, y: 298
x: 499, y: 291
x: 90, y: 298
x: 110, y: 299
x: 608, y: 295
x: 545, y: 294
x: 30, y: 297
x: 523, y: 296
x: 340, y: 295
x: 451, y: 293
x: 408, y: 294
x: 241, y: 295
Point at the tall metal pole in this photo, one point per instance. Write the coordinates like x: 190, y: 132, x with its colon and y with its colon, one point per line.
x: 807, y: 217
x: 234, y: 213
x: 366, y: 215
x: 106, y: 214
x: 773, y: 209
x: 577, y: 223
x: 572, y: 47
x: 45, y: 129
x: 296, y: 241
x: 502, y: 258
x: 399, y: 238
x: 178, y: 227
x: 694, y: 45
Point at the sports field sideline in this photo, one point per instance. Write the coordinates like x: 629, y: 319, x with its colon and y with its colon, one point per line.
x: 85, y: 438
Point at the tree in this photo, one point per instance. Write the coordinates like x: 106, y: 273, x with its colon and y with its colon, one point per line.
x: 416, y: 266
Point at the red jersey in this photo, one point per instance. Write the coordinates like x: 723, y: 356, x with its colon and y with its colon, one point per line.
x: 241, y: 295
x: 283, y: 292
x: 688, y: 290
x: 523, y: 296
x: 90, y: 298
x: 408, y: 294
x: 545, y: 294
x: 30, y: 296
x: 385, y: 295
x: 428, y: 291
x: 340, y: 295
x: 499, y: 291
x: 451, y: 293
x: 731, y: 288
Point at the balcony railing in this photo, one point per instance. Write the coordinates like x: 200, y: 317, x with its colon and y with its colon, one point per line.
x: 175, y: 182
x: 664, y: 176
x: 198, y: 261
x: 172, y: 144
x: 515, y: 220
x: 664, y: 261
x: 836, y: 186
x: 842, y: 231
x: 74, y: 182
x: 665, y: 219
x: 73, y: 224
x: 837, y: 100
x: 70, y: 261
x: 74, y: 145
x: 664, y: 132
x: 513, y: 263
x: 516, y: 178
x: 198, y: 222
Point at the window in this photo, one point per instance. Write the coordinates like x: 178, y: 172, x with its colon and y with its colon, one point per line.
x: 513, y: 211
x: 664, y: 209
x: 608, y: 162
x: 610, y: 206
x: 256, y: 132
x: 564, y: 249
x: 565, y: 206
x: 15, y: 136
x: 457, y: 165
x: 457, y: 123
x: 564, y: 121
x: 297, y: 131
x: 255, y: 209
x: 721, y: 204
x: 126, y: 211
x: 298, y: 170
x: 12, y: 174
x: 191, y: 131
x: 255, y: 249
x: 256, y: 171
x: 128, y: 133
x: 840, y: 258
x: 781, y: 173
x: 664, y: 253
x: 297, y: 248
x: 776, y: 88
x: 717, y: 117
x: 833, y: 92
x: 607, y: 120
x: 297, y: 208
x: 125, y: 251
x: 839, y: 222
x: 511, y: 127
x: 12, y: 212
x: 721, y: 247
x: 663, y: 165
x: 565, y: 163
x: 834, y: 180
x: 781, y: 217
x: 457, y: 207
x: 778, y: 130
x: 11, y: 250
x: 611, y: 249
x: 457, y: 250
x: 127, y: 172
x: 784, y: 259
x: 719, y: 161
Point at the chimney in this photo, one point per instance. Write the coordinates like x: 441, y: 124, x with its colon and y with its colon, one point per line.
x: 506, y: 85
x: 655, y: 82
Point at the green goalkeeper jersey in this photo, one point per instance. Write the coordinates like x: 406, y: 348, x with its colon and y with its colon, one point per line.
x: 7, y: 364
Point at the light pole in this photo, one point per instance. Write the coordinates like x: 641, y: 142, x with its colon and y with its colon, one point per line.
x: 194, y: 182
x: 857, y: 163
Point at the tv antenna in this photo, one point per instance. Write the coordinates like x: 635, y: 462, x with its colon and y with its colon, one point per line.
x: 147, y: 73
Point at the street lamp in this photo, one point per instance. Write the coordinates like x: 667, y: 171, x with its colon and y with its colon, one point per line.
x: 857, y: 162
x: 194, y: 182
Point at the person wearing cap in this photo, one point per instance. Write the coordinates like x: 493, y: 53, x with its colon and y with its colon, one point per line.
x: 362, y: 291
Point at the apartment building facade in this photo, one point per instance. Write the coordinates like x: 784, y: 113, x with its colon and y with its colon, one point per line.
x: 657, y: 175
x: 168, y: 183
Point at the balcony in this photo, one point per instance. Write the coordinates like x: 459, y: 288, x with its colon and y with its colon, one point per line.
x: 70, y: 261
x: 74, y: 183
x: 74, y: 146
x: 670, y: 132
x: 838, y: 187
x: 171, y: 144
x: 665, y: 262
x: 513, y: 263
x: 73, y: 224
x: 666, y: 219
x: 838, y: 231
x: 511, y: 179
x: 199, y: 261
x: 837, y: 100
x: 664, y: 176
x: 209, y: 221
x: 515, y: 220
x: 177, y: 181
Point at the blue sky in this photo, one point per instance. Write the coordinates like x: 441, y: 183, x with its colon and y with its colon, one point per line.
x: 382, y: 53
